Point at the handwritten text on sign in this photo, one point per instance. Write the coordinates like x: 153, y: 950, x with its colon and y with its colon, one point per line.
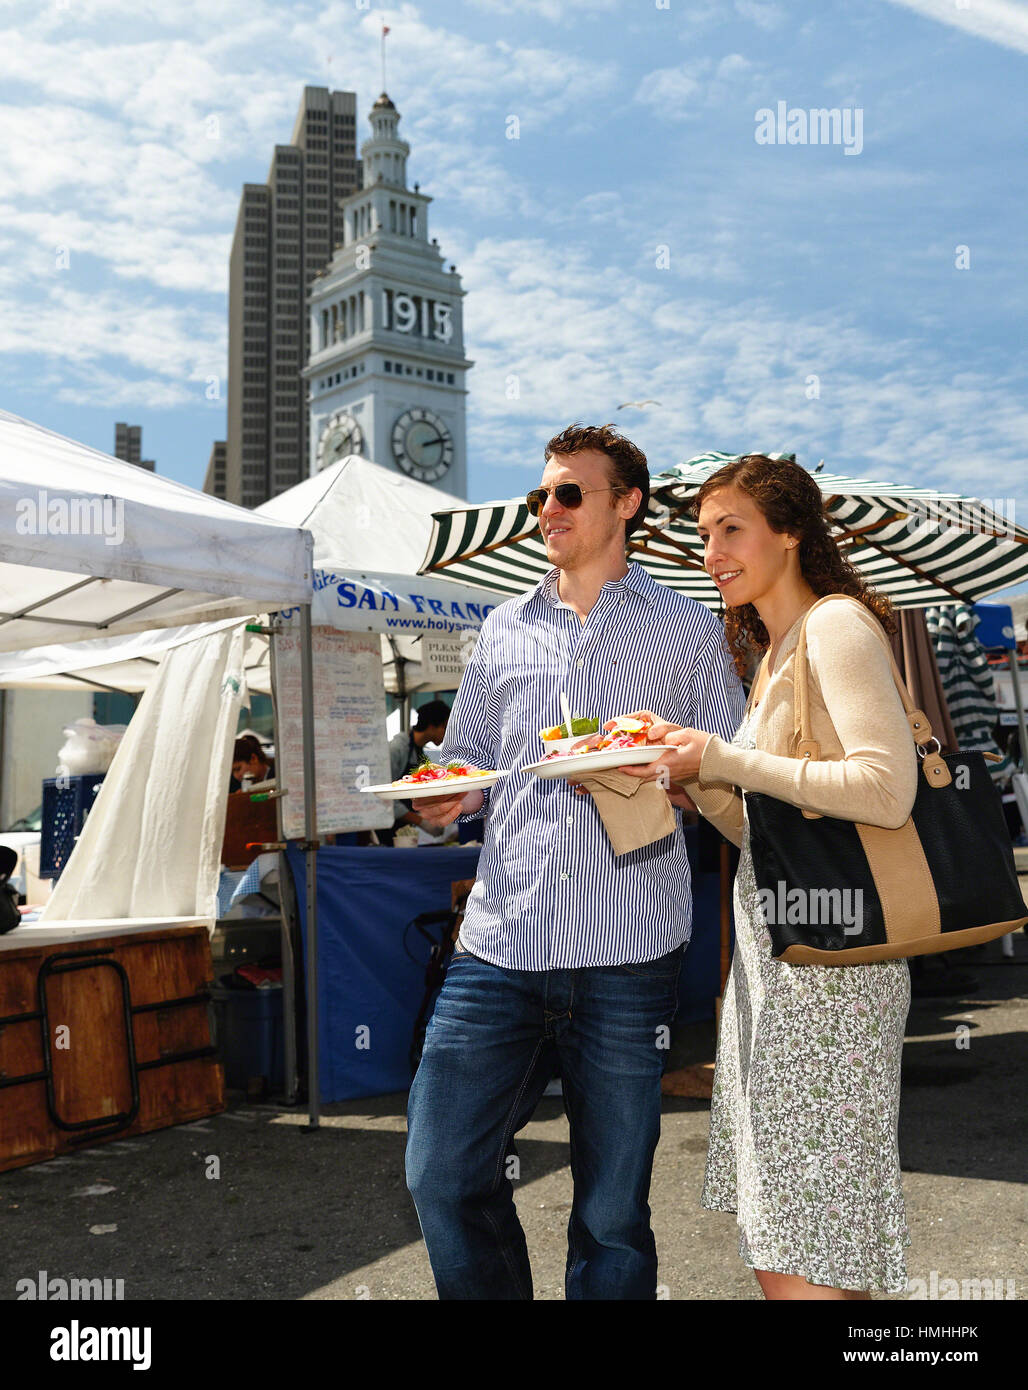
x: 349, y: 730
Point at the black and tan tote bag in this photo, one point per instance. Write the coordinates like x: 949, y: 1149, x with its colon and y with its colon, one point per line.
x: 835, y: 892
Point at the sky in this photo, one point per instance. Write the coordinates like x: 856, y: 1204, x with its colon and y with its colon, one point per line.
x: 639, y: 241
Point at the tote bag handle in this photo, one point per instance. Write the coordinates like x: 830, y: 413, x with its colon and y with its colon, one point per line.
x: 804, y: 742
x: 933, y: 765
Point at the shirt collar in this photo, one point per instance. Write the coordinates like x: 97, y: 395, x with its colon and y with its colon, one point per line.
x: 637, y: 580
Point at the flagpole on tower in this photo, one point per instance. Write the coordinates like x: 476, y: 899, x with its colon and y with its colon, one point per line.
x: 385, y: 30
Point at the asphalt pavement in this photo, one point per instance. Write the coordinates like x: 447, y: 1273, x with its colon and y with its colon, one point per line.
x: 251, y: 1204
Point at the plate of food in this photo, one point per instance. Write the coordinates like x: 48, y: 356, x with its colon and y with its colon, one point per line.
x: 621, y: 743
x: 560, y: 738
x: 436, y: 779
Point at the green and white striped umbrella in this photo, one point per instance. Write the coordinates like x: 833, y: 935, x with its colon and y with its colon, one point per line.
x: 919, y: 546
x: 967, y: 681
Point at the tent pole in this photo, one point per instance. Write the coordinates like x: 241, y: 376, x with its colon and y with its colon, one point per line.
x: 1015, y: 676
x: 310, y: 830
x: 287, y: 902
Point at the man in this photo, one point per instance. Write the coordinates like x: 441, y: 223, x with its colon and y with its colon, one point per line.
x: 406, y: 752
x: 567, y: 955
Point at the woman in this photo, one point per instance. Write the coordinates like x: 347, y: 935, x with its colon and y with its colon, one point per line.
x: 806, y: 1091
x: 249, y: 761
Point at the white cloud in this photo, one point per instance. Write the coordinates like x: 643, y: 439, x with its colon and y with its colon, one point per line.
x: 578, y: 338
x: 668, y: 90
x: 143, y: 208
x: 999, y: 21
x: 122, y: 121
x: 155, y: 89
x: 447, y: 78
x: 732, y: 65
x: 114, y: 348
x: 679, y: 93
x: 607, y: 208
x: 763, y: 13
x: 469, y: 180
x: 108, y: 152
x: 556, y: 11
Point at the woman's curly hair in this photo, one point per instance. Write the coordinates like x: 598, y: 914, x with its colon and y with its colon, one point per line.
x: 791, y: 501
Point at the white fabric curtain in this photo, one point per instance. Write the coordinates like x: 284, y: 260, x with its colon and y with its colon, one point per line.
x: 151, y: 846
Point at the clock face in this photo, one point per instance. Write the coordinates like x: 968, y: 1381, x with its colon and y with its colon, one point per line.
x: 341, y: 436
x: 422, y: 444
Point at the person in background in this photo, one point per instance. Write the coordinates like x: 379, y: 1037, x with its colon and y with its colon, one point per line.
x: 250, y: 763
x: 406, y: 752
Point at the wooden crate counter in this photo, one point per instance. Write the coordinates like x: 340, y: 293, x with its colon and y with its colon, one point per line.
x: 104, y: 1033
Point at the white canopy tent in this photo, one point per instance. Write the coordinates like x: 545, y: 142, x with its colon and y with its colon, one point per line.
x: 127, y: 663
x: 92, y: 545
x: 368, y: 517
x: 371, y: 529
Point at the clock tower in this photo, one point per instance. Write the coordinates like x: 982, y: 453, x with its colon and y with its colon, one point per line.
x: 386, y: 371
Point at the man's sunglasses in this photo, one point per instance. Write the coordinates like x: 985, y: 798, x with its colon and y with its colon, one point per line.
x: 567, y: 494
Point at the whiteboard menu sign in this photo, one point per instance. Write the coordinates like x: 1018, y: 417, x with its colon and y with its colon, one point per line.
x: 350, y: 744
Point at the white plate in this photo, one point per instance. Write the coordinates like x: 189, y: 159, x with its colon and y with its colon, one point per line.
x: 411, y: 793
x: 561, y: 745
x: 581, y: 764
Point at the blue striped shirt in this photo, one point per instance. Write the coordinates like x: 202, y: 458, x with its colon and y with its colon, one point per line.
x: 550, y: 893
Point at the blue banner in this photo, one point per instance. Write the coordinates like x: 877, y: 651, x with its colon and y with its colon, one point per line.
x: 371, y: 960
x: 400, y: 604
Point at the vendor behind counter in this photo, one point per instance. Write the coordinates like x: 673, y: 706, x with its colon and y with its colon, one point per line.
x: 250, y: 763
x: 406, y: 752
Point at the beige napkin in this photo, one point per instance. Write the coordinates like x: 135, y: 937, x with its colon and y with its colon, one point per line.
x: 634, y: 813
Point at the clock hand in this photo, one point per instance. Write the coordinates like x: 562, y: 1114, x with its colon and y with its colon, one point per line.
x: 436, y: 439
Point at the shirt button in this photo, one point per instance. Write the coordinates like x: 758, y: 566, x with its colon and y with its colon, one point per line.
x: 565, y: 875
x: 580, y: 663
x: 571, y: 820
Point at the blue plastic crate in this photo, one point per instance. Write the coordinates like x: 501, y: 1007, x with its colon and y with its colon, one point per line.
x: 66, y: 803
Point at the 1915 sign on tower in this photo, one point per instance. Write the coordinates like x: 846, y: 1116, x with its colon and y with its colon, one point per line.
x: 387, y: 365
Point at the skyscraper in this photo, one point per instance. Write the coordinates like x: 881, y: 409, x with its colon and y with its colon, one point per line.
x: 214, y: 479
x: 285, y: 234
x: 128, y: 445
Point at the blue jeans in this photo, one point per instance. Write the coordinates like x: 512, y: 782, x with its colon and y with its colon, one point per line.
x: 489, y: 1053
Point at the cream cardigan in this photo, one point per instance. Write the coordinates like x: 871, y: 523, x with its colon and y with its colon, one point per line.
x: 868, y: 767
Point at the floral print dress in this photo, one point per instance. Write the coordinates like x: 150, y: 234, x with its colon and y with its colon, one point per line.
x: 805, y: 1107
